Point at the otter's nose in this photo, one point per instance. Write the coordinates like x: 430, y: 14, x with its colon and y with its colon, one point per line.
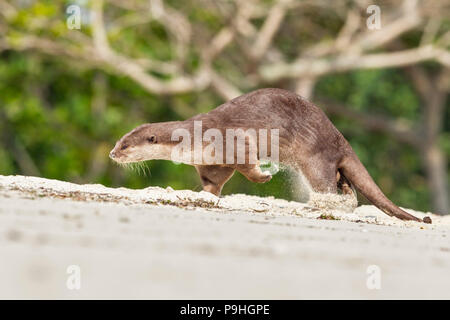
x: 112, y: 154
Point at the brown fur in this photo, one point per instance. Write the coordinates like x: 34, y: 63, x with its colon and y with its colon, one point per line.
x: 308, y: 142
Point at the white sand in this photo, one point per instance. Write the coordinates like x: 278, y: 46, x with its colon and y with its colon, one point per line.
x: 159, y: 243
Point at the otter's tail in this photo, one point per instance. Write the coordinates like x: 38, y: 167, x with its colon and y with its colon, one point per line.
x: 354, y: 170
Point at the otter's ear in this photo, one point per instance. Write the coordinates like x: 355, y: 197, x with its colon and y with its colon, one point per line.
x: 151, y: 139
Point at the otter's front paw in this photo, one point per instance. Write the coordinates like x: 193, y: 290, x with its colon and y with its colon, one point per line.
x: 266, y: 176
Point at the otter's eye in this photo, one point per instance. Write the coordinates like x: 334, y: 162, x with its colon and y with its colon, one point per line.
x: 151, y: 139
x: 124, y: 147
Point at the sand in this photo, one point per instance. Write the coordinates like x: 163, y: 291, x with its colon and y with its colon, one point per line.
x: 164, y: 244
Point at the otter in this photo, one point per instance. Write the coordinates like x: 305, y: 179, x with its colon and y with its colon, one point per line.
x: 307, y: 142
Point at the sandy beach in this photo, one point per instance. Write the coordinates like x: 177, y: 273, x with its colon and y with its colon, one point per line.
x: 164, y: 244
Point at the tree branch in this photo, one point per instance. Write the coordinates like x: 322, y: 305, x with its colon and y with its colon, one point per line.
x: 269, y: 29
x: 395, y: 128
x: 342, y: 63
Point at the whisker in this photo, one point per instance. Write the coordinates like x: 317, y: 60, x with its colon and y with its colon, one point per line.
x: 140, y: 168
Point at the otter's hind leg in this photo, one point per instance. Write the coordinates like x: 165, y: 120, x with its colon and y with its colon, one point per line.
x: 214, y: 177
x: 321, y: 176
x: 343, y: 185
x: 322, y: 179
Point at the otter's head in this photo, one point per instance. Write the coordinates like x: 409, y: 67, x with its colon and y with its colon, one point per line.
x: 146, y: 142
